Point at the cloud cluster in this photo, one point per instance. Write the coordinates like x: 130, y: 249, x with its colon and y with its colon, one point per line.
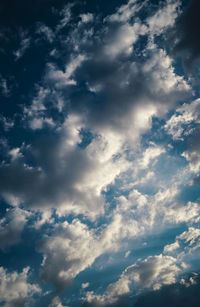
x: 86, y: 129
x: 15, y: 290
x: 152, y: 272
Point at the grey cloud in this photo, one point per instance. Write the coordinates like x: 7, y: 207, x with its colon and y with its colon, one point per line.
x: 11, y: 227
x: 173, y: 295
x: 67, y: 252
x: 187, y: 32
x: 25, y: 41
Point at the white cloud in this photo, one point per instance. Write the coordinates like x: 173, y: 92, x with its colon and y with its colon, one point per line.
x: 190, y: 236
x: 152, y: 272
x: 179, y: 125
x: 122, y: 40
x: 171, y: 247
x: 165, y: 17
x: 85, y: 285
x: 178, y: 213
x: 67, y: 252
x: 85, y: 18
x: 15, y: 154
x: 126, y: 11
x: 15, y: 288
x: 194, y: 160
x: 150, y: 154
x: 65, y: 78
x: 56, y: 303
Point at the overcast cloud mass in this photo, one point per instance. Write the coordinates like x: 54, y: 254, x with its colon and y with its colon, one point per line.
x: 100, y: 153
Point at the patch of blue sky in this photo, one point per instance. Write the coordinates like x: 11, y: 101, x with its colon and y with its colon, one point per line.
x: 86, y: 138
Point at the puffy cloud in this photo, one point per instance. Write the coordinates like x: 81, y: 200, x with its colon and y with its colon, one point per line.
x: 15, y: 290
x: 111, y: 89
x: 121, y: 40
x: 171, y: 247
x: 152, y: 272
x: 67, y: 252
x: 85, y: 18
x: 76, y: 176
x: 191, y: 154
x: 179, y: 125
x: 190, y: 236
x: 56, y: 303
x: 179, y: 213
x: 11, y: 227
x: 150, y: 154
x: 165, y: 17
x: 60, y: 78
x: 125, y: 12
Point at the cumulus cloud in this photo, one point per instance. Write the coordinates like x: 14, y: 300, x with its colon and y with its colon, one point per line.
x: 107, y: 86
x: 15, y: 290
x: 191, y: 154
x: 165, y: 17
x: 67, y: 252
x: 76, y: 176
x: 61, y: 78
x: 180, y: 124
x: 11, y: 227
x: 183, y: 213
x: 152, y: 272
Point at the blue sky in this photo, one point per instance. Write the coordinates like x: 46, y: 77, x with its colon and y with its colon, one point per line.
x: 100, y: 154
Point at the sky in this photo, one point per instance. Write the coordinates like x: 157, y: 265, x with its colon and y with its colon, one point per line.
x: 100, y: 153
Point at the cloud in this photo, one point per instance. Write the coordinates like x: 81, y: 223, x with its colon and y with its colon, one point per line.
x: 172, y: 295
x: 61, y: 78
x: 46, y: 31
x: 4, y: 87
x: 153, y: 272
x: 65, y: 176
x: 85, y: 18
x: 15, y: 290
x: 179, y: 213
x: 126, y: 11
x: 164, y: 17
x: 191, y: 154
x: 182, y: 122
x: 11, y: 227
x: 171, y: 247
x: 56, y: 303
x: 187, y: 33
x: 67, y: 252
x: 24, y: 45
x: 65, y: 17
x: 111, y: 82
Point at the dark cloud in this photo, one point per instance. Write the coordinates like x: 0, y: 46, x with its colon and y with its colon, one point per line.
x: 173, y: 295
x: 188, y: 33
